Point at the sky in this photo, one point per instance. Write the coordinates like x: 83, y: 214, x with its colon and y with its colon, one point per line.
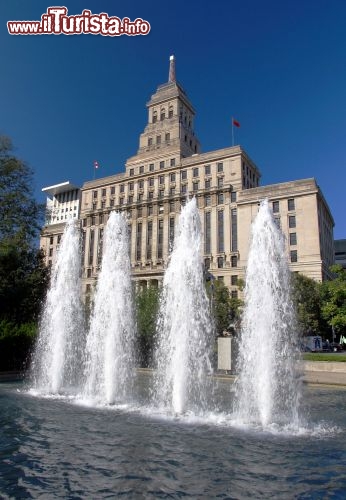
x: 278, y: 67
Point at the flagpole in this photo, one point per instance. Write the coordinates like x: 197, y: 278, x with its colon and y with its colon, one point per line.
x: 232, y: 132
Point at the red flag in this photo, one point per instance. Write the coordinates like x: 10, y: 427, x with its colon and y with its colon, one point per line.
x: 235, y: 123
x: 96, y: 164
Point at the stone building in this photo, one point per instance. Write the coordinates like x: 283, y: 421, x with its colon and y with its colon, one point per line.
x: 168, y: 168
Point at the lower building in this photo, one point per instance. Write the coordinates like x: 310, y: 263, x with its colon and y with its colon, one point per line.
x: 169, y: 168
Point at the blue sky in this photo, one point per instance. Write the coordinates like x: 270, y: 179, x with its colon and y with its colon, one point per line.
x: 278, y: 67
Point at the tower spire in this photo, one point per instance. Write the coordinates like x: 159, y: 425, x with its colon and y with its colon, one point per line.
x: 171, y: 76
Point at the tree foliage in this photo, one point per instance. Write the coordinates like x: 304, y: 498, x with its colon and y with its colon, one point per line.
x: 147, y: 304
x: 225, y: 309
x: 333, y: 295
x: 23, y: 276
x: 307, y: 299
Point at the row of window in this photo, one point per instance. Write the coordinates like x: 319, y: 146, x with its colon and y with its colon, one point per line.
x: 195, y: 172
x: 162, y: 114
x: 290, y: 205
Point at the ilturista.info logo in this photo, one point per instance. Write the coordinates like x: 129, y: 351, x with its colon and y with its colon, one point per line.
x: 56, y: 22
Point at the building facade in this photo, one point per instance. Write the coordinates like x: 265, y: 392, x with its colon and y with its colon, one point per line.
x: 168, y: 168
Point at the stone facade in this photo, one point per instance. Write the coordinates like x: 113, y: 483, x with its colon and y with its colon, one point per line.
x: 167, y: 169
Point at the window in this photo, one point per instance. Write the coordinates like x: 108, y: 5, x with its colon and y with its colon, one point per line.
x: 207, y: 263
x: 162, y: 165
x: 149, y: 239
x: 51, y: 240
x: 113, y: 190
x: 219, y: 182
x: 103, y: 204
x: 220, y: 242
x: 141, y: 184
x: 50, y: 252
x: 158, y: 139
x: 101, y: 219
x: 150, y: 210
x: 89, y: 273
x: 151, y: 167
x: 121, y: 201
x: 151, y: 195
x: 139, y: 241
x: 220, y: 199
x: 161, y: 179
x: 207, y: 201
x: 122, y: 188
x: 220, y: 167
x: 93, y: 220
x: 220, y: 262
x: 154, y: 116
x: 195, y: 186
x: 91, y: 246
x: 294, y: 256
x: 88, y: 288
x: 132, y: 172
x: 94, y: 206
x: 172, y: 162
x: 207, y: 183
x: 207, y: 170
x: 170, y: 112
x: 172, y: 191
x: 111, y: 203
x: 171, y: 233
x: 139, y: 211
x: 233, y: 196
x: 160, y: 239
x: 151, y: 181
x: 291, y: 204
x: 162, y: 115
x: 234, y: 260
x: 234, y: 294
x: 293, y: 238
x: 277, y: 221
x: 183, y: 188
x: 131, y: 184
x: 103, y: 192
x: 161, y: 193
x: 130, y: 199
x: 195, y: 172
x: 234, y: 280
x: 207, y: 232
x: 172, y: 206
x: 150, y: 141
x: 141, y: 169
x: 172, y: 177
x: 59, y: 236
x: 276, y: 207
x: 234, y: 225
x: 291, y: 221
x: 183, y: 175
x: 167, y: 136
x: 94, y: 194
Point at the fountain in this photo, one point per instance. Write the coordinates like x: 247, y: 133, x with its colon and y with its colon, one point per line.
x: 57, y: 356
x: 268, y: 389
x: 184, y: 327
x: 110, y: 363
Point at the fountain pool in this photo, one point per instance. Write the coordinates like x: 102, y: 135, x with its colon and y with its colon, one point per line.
x: 56, y: 448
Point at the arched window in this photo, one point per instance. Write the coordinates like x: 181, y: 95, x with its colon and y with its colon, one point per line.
x: 154, y: 116
x: 163, y: 114
x: 170, y: 112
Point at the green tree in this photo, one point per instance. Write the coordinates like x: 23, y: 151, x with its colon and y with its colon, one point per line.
x: 333, y: 295
x: 307, y: 300
x: 225, y: 309
x: 23, y: 276
x: 147, y: 303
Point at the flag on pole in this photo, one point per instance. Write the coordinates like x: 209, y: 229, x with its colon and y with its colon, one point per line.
x: 235, y: 123
x: 96, y: 164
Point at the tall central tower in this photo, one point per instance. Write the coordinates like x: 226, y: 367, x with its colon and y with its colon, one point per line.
x: 170, y: 128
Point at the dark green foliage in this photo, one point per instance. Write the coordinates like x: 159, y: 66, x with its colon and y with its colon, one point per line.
x: 225, y: 309
x: 147, y: 303
x: 23, y: 276
x: 16, y: 343
x: 333, y: 295
x: 307, y: 299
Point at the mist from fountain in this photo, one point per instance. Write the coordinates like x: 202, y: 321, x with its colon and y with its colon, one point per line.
x: 57, y: 357
x: 184, y: 327
x: 267, y: 390
x: 110, y: 360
